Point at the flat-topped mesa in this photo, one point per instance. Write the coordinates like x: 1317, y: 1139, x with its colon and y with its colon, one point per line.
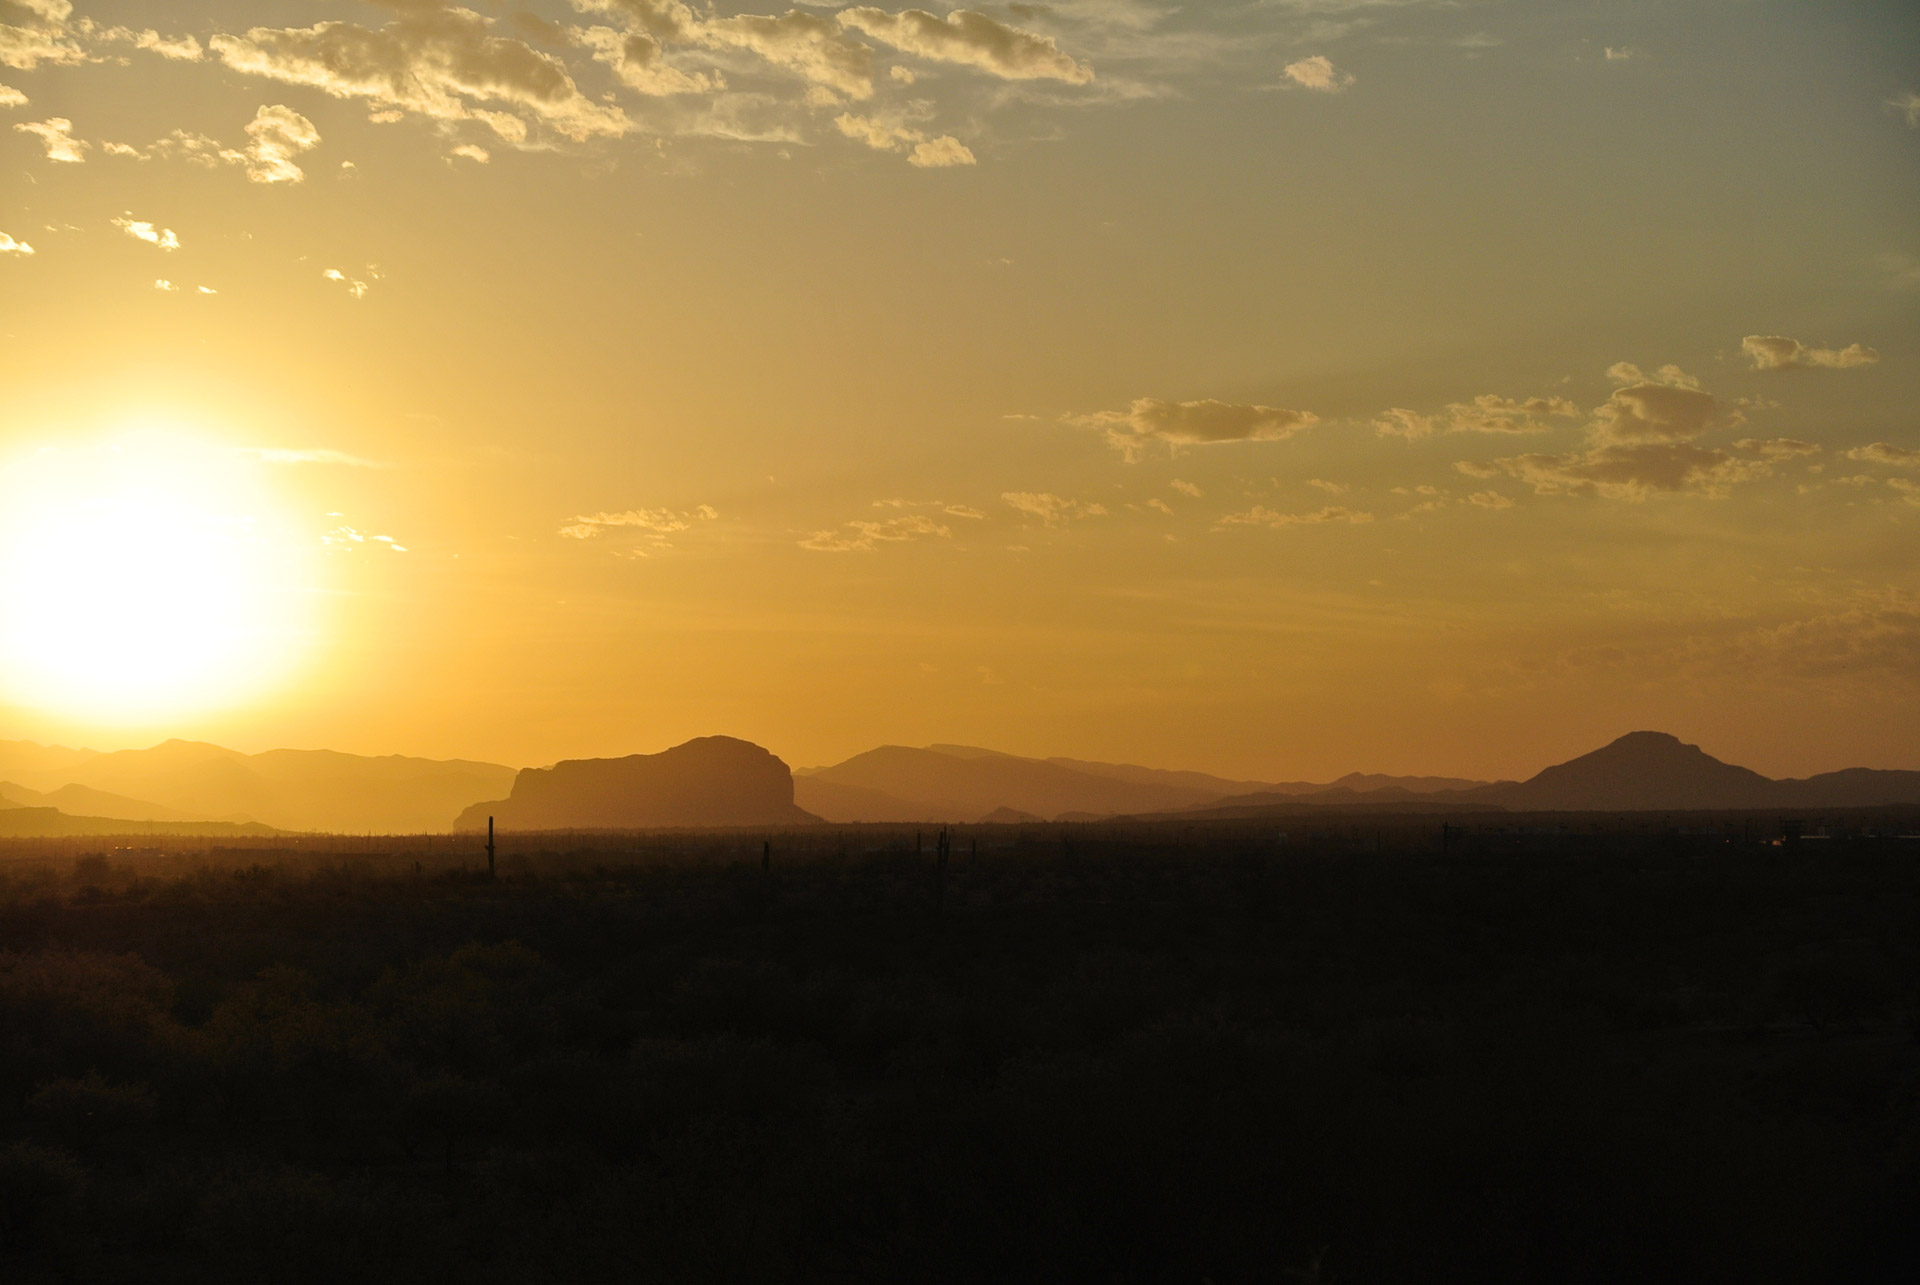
x: 709, y: 781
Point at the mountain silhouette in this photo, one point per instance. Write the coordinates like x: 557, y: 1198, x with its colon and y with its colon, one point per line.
x: 1223, y: 788
x: 710, y: 781
x: 845, y: 804
x: 967, y: 783
x: 1653, y: 771
x: 17, y: 822
x: 1639, y: 772
x: 84, y: 801
x: 960, y: 783
x: 286, y: 789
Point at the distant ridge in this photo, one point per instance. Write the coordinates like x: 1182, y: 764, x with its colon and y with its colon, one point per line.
x: 709, y: 781
x: 1638, y: 772
x: 52, y: 823
x: 84, y: 801
x: 966, y: 783
x: 322, y: 790
x: 1654, y: 771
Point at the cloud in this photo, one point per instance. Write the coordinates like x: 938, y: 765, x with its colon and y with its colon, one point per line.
x: 1665, y: 407
x: 1907, y: 103
x: 437, y: 62
x: 37, y: 31
x: 11, y: 97
x: 275, y: 136
x: 1051, y: 509
x: 1640, y: 442
x: 165, y: 286
x: 10, y: 246
x: 1621, y: 53
x: 347, y: 538
x: 355, y: 287
x: 1777, y: 352
x: 650, y: 530
x: 140, y: 230
x: 56, y: 135
x: 811, y: 46
x: 1203, y: 422
x: 1261, y: 515
x: 940, y: 153
x: 179, y: 48
x: 969, y: 39
x: 1886, y: 453
x: 467, y: 151
x: 865, y: 536
x: 635, y: 53
x: 1185, y: 488
x: 1331, y: 488
x: 1490, y: 500
x: 1775, y: 450
x: 1633, y: 470
x: 928, y: 153
x: 1317, y: 73
x: 1401, y: 422
x: 658, y: 521
x: 1487, y: 413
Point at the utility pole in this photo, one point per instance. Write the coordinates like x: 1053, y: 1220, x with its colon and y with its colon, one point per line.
x: 489, y: 847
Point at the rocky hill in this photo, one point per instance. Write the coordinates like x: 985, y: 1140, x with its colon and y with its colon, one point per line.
x: 710, y: 781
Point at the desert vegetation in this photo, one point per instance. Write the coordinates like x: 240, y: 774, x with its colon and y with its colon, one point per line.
x: 1051, y: 1054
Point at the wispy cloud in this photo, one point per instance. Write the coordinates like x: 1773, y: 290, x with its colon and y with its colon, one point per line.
x: 1194, y: 423
x: 348, y: 538
x: 443, y: 63
x: 1487, y: 413
x: 865, y: 536
x: 926, y: 153
x: 649, y: 530
x: 140, y: 230
x: 1261, y: 515
x: 1317, y: 73
x: 1886, y: 453
x: 1050, y: 509
x: 1778, y: 352
x: 56, y: 135
x: 970, y: 40
x: 354, y: 285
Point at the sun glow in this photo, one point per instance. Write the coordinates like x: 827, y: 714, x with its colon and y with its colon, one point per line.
x: 146, y: 577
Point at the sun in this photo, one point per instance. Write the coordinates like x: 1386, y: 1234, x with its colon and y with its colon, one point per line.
x: 144, y: 577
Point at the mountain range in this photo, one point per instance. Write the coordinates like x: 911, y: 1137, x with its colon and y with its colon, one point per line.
x: 200, y: 788
x: 194, y: 782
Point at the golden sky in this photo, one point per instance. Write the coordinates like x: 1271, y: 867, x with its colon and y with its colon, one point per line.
x: 1278, y: 388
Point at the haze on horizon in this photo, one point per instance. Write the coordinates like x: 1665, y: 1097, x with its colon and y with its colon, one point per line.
x: 1277, y: 390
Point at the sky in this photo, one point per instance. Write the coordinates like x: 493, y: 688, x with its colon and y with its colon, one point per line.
x: 1277, y: 388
